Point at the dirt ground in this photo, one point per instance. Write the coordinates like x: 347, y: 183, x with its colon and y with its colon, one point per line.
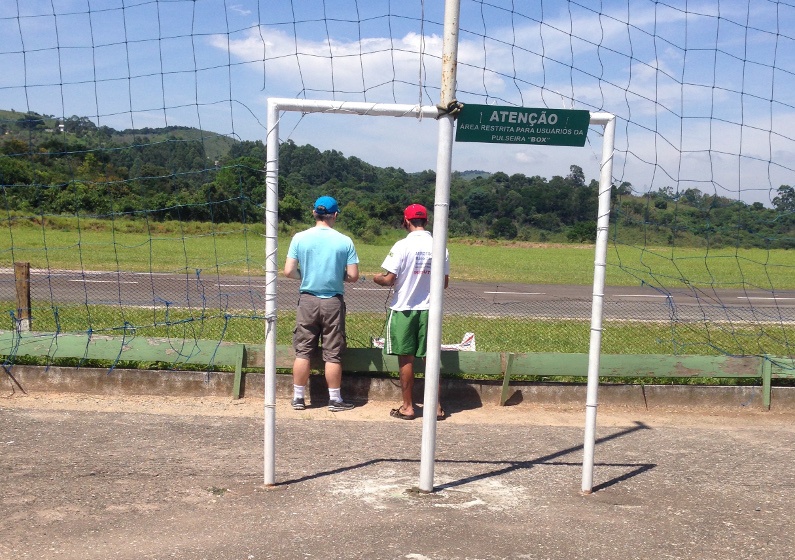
x: 133, y: 477
x: 484, y: 413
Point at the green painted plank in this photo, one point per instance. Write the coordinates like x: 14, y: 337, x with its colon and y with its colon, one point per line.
x: 782, y: 368
x: 363, y: 360
x: 635, y: 365
x: 374, y: 360
x: 68, y: 345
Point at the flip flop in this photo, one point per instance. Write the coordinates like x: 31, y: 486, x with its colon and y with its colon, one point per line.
x: 442, y: 416
x: 396, y: 413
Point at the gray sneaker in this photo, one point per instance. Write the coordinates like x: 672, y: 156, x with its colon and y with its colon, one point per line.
x: 298, y: 404
x: 340, y: 406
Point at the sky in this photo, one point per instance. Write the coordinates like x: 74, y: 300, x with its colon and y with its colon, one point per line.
x: 703, y: 92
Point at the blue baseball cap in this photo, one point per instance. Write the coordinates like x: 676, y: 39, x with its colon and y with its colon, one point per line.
x: 326, y: 205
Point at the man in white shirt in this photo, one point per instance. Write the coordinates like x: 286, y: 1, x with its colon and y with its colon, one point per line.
x: 408, y: 268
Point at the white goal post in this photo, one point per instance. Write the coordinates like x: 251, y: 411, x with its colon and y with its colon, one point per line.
x: 600, y: 265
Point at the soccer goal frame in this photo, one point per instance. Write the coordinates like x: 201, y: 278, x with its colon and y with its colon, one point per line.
x: 278, y: 105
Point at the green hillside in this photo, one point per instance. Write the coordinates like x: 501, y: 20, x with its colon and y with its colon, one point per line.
x: 71, y: 166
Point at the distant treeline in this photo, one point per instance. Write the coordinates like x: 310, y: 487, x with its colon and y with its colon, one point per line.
x: 71, y: 166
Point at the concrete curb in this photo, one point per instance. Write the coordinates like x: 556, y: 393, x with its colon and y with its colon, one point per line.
x: 99, y: 381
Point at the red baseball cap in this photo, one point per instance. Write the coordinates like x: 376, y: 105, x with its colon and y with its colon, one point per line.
x: 415, y: 211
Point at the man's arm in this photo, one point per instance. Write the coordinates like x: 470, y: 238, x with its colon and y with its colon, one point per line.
x: 446, y: 280
x: 352, y: 273
x: 385, y: 279
x: 291, y: 269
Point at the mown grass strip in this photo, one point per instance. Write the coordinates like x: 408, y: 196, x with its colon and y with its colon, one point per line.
x: 139, y: 246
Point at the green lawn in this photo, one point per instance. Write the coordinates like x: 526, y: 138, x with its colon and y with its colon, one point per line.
x: 238, y: 249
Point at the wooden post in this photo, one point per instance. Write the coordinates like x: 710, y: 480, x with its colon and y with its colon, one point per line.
x: 22, y: 282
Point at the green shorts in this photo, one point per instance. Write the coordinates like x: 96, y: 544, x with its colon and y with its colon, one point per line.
x: 407, y: 333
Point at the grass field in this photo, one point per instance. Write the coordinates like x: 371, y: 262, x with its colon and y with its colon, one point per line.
x: 134, y: 245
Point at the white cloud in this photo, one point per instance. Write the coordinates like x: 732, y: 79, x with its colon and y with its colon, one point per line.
x: 238, y: 8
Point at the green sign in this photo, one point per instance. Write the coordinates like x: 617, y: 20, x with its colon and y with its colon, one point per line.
x: 521, y: 125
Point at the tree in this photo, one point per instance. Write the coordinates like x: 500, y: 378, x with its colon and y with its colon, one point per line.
x: 14, y: 147
x: 15, y: 171
x: 354, y: 219
x: 785, y: 201
x: 624, y: 189
x: 503, y: 228
x: 500, y: 177
x: 582, y: 232
x: 694, y: 197
x: 479, y: 203
x: 291, y: 209
x: 30, y: 121
x: 79, y: 125
x: 667, y: 193
x: 576, y: 177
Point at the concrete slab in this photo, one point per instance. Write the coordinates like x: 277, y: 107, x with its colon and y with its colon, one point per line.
x: 142, y: 477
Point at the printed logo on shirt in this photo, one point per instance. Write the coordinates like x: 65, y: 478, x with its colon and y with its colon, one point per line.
x: 422, y: 263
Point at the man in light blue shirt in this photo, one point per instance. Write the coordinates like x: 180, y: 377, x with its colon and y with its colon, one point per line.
x: 322, y: 259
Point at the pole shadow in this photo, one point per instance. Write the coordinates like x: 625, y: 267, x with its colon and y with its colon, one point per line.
x: 549, y: 460
x: 635, y: 469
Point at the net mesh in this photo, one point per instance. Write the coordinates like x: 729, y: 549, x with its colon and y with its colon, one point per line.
x: 132, y: 166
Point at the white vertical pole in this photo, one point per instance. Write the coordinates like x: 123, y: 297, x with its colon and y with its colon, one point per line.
x: 600, y: 265
x: 271, y: 272
x: 440, y: 214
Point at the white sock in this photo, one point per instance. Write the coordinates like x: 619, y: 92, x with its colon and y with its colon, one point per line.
x: 334, y: 395
x: 298, y: 391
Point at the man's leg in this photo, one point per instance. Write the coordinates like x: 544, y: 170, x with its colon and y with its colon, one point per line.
x: 301, y: 372
x: 334, y: 346
x: 440, y: 413
x: 334, y: 382
x: 305, y: 339
x: 333, y: 375
x: 422, y: 350
x: 406, y: 365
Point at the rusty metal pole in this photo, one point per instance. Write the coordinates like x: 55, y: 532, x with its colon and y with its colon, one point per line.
x: 22, y: 283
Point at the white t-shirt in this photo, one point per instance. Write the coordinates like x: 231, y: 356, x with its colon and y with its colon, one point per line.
x: 410, y: 260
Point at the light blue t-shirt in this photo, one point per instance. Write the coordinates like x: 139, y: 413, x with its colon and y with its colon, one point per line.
x: 323, y: 254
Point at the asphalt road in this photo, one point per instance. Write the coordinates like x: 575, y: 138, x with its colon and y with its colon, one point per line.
x: 488, y: 299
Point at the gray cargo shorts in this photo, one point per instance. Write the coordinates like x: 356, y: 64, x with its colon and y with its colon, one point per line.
x: 320, y: 321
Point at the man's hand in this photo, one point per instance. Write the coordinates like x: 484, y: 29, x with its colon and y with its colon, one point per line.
x: 385, y: 279
x: 291, y: 269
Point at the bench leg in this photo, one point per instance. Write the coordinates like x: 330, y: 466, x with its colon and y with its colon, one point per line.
x: 506, y: 376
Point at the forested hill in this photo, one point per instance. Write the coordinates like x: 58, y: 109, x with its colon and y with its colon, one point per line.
x: 71, y: 166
